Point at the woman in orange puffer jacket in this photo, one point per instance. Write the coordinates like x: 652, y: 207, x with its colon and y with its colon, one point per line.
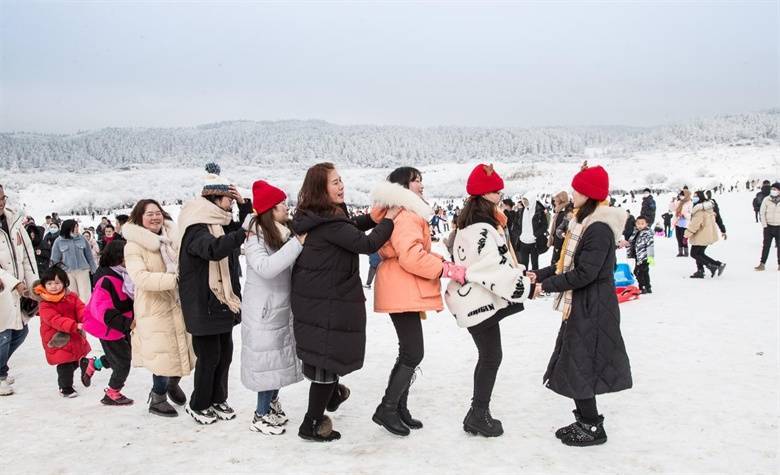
x: 407, y: 286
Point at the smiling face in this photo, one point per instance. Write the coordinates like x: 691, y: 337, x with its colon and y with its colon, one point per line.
x: 152, y: 218
x: 335, y: 188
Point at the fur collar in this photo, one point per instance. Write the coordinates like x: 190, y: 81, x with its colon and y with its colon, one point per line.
x: 615, y: 218
x: 393, y: 194
x: 706, y: 206
x: 147, y: 239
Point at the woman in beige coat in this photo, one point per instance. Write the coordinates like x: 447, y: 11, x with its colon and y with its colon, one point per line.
x: 160, y: 340
x: 702, y: 231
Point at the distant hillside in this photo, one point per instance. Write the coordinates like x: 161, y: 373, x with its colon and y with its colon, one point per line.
x: 287, y: 143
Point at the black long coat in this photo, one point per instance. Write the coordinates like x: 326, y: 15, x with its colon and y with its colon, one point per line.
x: 590, y: 356
x: 203, y: 313
x: 327, y: 301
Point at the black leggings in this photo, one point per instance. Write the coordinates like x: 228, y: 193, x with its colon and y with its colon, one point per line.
x: 214, y: 353
x: 527, y: 253
x: 702, y: 259
x: 65, y: 374
x: 118, y: 355
x: 488, y: 343
x: 408, y: 327
x: 588, y: 410
x: 319, y: 396
x: 680, y: 235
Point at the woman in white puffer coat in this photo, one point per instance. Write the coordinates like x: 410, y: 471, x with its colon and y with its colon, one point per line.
x: 268, y: 358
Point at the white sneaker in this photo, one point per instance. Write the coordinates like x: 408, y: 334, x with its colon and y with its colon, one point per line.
x: 204, y: 417
x: 278, y: 413
x: 10, y: 379
x: 5, y: 388
x: 266, y: 425
x: 223, y: 411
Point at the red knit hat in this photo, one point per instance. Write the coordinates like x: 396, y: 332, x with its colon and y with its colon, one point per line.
x: 592, y: 182
x: 265, y: 196
x: 483, y: 180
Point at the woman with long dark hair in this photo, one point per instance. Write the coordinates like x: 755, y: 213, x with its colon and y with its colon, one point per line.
x: 590, y: 356
x: 407, y: 286
x: 73, y: 253
x: 702, y: 231
x: 327, y: 300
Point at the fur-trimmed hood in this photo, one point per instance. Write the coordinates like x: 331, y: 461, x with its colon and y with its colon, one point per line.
x: 393, y: 194
x: 147, y: 239
x: 615, y: 218
x: 704, y: 206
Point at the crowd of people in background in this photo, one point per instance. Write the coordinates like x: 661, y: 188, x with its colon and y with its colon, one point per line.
x: 166, y: 296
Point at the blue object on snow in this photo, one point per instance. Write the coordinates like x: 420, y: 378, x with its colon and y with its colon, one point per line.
x: 623, y: 275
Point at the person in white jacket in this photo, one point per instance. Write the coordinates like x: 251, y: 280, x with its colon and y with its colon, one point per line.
x: 18, y: 272
x: 268, y: 358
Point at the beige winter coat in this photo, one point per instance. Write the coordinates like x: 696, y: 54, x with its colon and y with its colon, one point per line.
x: 702, y: 229
x: 17, y: 264
x: 770, y: 212
x: 160, y: 341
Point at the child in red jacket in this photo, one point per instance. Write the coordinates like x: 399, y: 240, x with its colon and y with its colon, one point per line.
x: 64, y: 341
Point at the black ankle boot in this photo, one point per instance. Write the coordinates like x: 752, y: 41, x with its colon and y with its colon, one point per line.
x: 340, y: 394
x: 175, y: 392
x: 479, y: 421
x: 699, y: 274
x: 406, y: 416
x: 387, y: 414
x: 680, y: 251
x: 560, y: 433
x: 585, y: 434
x: 318, y: 430
x: 685, y: 251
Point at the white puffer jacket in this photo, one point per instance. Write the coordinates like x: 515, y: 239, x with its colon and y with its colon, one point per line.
x: 770, y: 212
x: 493, y: 281
x: 17, y: 264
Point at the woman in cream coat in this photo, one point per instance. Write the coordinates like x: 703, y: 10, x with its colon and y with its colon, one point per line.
x: 160, y: 340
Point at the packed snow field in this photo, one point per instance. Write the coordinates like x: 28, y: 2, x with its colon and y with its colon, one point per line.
x: 704, y: 356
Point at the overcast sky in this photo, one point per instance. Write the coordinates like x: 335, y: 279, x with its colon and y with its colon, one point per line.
x: 71, y: 66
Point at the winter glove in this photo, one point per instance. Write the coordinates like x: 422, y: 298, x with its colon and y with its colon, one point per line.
x: 651, y: 260
x: 454, y: 272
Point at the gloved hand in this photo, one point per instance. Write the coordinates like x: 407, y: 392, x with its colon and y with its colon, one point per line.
x: 454, y: 272
x: 651, y: 260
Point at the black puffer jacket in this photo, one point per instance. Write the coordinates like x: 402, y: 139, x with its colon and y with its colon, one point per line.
x: 648, y: 209
x: 327, y: 300
x: 590, y: 356
x: 203, y: 313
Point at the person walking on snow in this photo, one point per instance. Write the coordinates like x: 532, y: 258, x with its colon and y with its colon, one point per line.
x: 701, y: 232
x: 769, y: 216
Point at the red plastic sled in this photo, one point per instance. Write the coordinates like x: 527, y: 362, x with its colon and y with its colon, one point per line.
x: 627, y: 294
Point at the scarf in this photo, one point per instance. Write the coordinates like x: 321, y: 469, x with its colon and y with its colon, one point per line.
x: 128, y: 287
x: 202, y: 211
x: 168, y: 253
x: 563, y: 300
x: 40, y: 291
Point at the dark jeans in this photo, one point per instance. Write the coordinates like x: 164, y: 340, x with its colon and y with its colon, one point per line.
x: 668, y: 230
x: 642, y: 273
x: 488, y: 344
x: 770, y: 233
x: 702, y: 259
x: 371, y: 275
x: 526, y: 252
x: 119, y: 355
x: 680, y: 234
x: 65, y: 374
x: 214, y: 354
x: 588, y: 410
x: 10, y: 341
x: 319, y: 396
x: 408, y: 327
x: 159, y: 384
x: 264, y: 399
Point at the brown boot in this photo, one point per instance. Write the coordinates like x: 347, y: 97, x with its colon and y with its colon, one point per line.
x: 760, y: 267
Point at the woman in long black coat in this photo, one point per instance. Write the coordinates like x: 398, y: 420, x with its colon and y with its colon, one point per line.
x: 328, y: 305
x: 590, y: 357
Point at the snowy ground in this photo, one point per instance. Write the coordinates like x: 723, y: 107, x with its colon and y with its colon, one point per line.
x: 704, y: 356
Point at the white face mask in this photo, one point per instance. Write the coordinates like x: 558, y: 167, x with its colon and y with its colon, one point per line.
x: 775, y: 192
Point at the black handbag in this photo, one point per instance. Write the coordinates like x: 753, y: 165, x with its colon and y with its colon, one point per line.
x: 29, y: 307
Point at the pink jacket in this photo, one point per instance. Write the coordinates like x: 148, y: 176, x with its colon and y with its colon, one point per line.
x: 108, y: 298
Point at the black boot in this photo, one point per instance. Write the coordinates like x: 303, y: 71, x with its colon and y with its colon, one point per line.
x: 406, y: 416
x: 340, y: 394
x: 175, y: 392
x: 479, y: 421
x: 387, y: 414
x: 585, y: 434
x: 699, y: 274
x: 685, y: 251
x: 680, y: 251
x: 318, y: 430
x: 560, y: 433
x: 158, y: 405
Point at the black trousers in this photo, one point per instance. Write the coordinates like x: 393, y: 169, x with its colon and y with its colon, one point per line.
x: 488, y: 344
x: 214, y: 354
x: 588, y: 410
x: 702, y: 259
x: 770, y: 233
x: 118, y: 354
x: 642, y: 273
x: 408, y: 327
x: 65, y: 374
x: 680, y: 235
x: 526, y: 253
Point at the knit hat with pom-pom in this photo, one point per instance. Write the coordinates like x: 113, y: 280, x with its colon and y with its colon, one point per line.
x: 214, y: 184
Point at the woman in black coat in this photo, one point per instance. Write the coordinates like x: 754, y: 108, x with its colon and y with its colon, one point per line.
x: 590, y: 357
x: 328, y: 305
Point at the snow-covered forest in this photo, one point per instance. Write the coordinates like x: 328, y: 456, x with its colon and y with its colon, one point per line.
x: 303, y: 142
